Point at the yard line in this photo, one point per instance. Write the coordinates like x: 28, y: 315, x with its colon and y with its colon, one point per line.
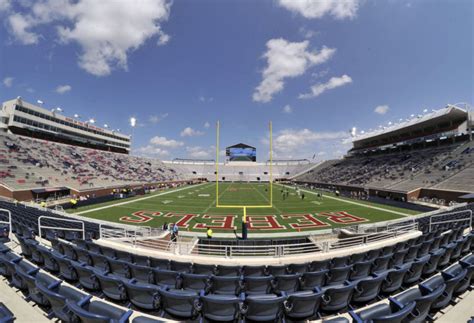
x: 214, y: 202
x: 357, y: 203
x: 139, y: 199
x: 274, y: 206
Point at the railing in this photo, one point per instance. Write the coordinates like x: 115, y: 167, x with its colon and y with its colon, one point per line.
x: 466, y: 218
x: 58, y: 227
x: 282, y: 250
x: 9, y: 222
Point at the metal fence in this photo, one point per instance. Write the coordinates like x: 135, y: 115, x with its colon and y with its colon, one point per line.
x: 452, y: 217
x: 56, y: 226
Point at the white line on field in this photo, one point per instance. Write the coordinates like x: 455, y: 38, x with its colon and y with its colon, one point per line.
x: 359, y: 204
x: 139, y: 199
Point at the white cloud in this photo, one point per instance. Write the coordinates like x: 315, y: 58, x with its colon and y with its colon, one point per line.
x: 199, y: 152
x: 8, y: 81
x: 61, y: 89
x: 190, y: 132
x: 106, y: 31
x: 202, y: 98
x: 152, y: 151
x: 320, y: 88
x: 207, y: 125
x: 339, y: 9
x: 164, y: 142
x: 287, y: 60
x: 154, y: 119
x: 4, y: 5
x: 287, y: 109
x: 304, y: 143
x: 308, y: 33
x: 381, y: 109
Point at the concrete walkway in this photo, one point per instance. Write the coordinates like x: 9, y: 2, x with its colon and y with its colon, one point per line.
x: 462, y: 312
x: 15, y: 301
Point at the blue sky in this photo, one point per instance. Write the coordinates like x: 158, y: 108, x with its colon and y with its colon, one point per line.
x: 315, y: 68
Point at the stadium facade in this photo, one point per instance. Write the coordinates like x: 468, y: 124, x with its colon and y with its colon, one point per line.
x: 23, y: 118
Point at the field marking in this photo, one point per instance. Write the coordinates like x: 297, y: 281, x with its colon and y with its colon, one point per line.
x: 215, y: 200
x: 359, y: 204
x: 272, y: 206
x: 136, y: 200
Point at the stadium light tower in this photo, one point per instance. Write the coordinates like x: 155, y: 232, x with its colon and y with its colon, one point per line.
x: 133, y: 123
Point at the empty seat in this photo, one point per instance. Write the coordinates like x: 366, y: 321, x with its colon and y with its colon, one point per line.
x: 6, y: 316
x: 381, y: 263
x: 258, y: 285
x: 141, y: 260
x: 220, y: 308
x: 163, y: 264
x: 99, y: 262
x: 453, y: 272
x: 143, y: 296
x: 98, y: 312
x: 254, y: 270
x: 340, y: 261
x: 449, y: 282
x: 264, y: 308
x: 397, y: 258
x: 86, y: 275
x: 34, y: 278
x: 303, y: 305
x: 394, y: 279
x: 298, y: 268
x: 195, y: 282
x: 226, y: 285
x: 415, y: 271
x: 372, y: 254
x: 360, y: 270
x: 384, y: 313
x: 179, y: 304
x: 204, y: 269
x: 183, y: 267
x: 57, y: 297
x: 411, y: 253
x: 319, y: 265
x: 142, y: 274
x: 432, y: 264
x: 367, y: 289
x: 423, y: 298
x: 276, y: 270
x: 23, y: 269
x: 468, y: 263
x: 312, y: 279
x: 165, y: 278
x: 7, y: 263
x: 286, y: 283
x: 112, y: 286
x: 228, y: 270
x: 119, y: 268
x: 49, y: 261
x: 338, y: 275
x: 337, y: 298
x: 82, y: 255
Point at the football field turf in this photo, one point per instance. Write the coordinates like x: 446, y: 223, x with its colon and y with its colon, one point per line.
x: 194, y: 208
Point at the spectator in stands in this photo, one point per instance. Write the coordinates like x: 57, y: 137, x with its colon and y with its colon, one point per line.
x: 165, y: 226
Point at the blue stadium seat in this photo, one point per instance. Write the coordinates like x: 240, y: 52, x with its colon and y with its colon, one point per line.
x: 6, y: 316
x: 312, y: 279
x: 383, y: 313
x: 220, y: 308
x: 142, y: 274
x: 264, y: 308
x: 179, y: 304
x: 360, y: 270
x: 394, y: 279
x: 112, y: 286
x: 367, y: 289
x: 143, y: 296
x: 336, y: 298
x: 89, y: 311
x: 228, y: 270
x: 258, y: 285
x: 286, y: 283
x: 195, y: 282
x: 338, y: 275
x: 225, y: 285
x: 204, y: 269
x: 254, y: 271
x: 86, y: 275
x: 165, y: 278
x: 303, y: 305
x: 423, y: 297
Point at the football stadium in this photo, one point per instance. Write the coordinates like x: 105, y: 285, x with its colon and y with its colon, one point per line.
x: 220, y: 209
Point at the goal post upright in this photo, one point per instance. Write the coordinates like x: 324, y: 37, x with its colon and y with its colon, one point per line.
x: 244, y: 207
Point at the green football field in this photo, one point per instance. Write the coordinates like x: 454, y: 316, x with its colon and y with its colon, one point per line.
x: 193, y: 208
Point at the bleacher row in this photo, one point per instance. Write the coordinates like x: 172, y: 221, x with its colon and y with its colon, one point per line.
x: 432, y: 269
x: 29, y: 163
x: 403, y: 171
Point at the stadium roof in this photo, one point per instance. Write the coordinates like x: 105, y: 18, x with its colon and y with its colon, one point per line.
x: 241, y: 145
x: 447, y: 114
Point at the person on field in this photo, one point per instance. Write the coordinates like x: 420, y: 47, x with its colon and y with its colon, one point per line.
x: 209, y: 233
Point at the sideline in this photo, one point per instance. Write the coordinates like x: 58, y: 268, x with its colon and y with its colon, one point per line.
x: 139, y: 199
x: 356, y: 203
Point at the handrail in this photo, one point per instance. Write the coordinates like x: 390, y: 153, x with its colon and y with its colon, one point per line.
x: 452, y: 220
x: 61, y: 228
